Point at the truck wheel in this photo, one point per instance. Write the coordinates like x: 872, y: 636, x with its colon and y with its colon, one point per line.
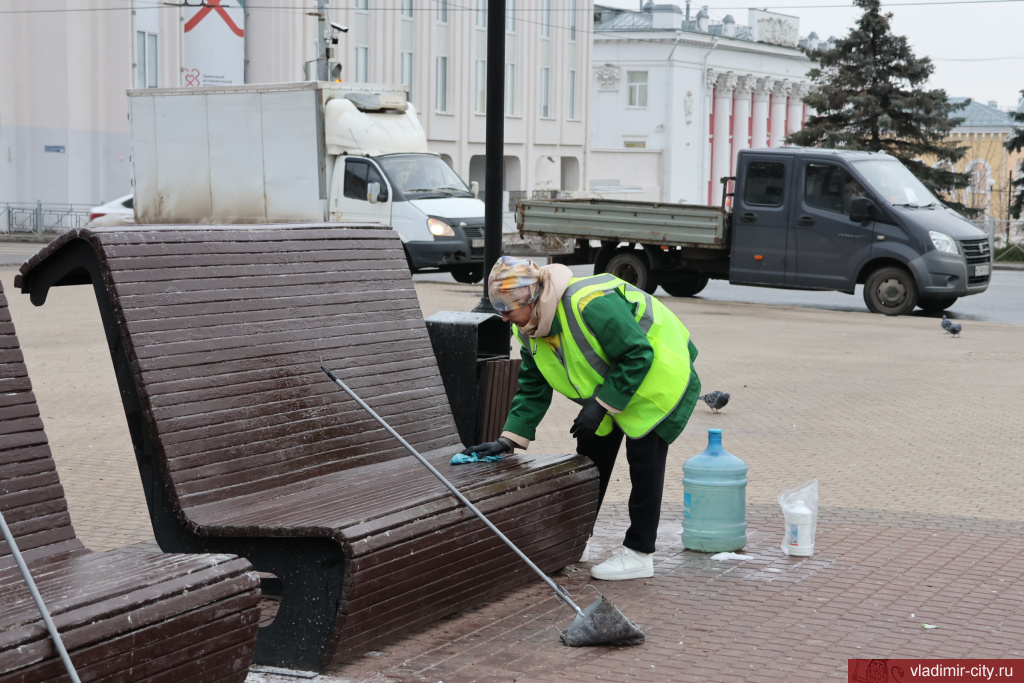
x: 632, y: 267
x: 469, y: 275
x: 937, y: 305
x: 890, y: 291
x: 690, y: 285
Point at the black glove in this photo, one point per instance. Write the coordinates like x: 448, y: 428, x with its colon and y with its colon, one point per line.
x: 482, y: 450
x: 588, y: 420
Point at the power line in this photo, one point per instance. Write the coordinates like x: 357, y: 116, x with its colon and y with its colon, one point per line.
x: 517, y: 11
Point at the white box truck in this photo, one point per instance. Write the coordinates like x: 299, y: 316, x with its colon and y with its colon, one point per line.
x: 303, y: 152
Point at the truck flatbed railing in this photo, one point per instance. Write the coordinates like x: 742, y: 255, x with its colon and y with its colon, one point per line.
x: 624, y: 221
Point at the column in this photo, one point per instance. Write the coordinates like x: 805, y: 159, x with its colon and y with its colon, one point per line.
x: 795, y: 119
x: 779, y: 94
x: 759, y: 112
x: 741, y: 117
x: 721, y: 157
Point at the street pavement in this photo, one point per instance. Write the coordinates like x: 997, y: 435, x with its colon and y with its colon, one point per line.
x: 1002, y: 302
x: 913, y: 435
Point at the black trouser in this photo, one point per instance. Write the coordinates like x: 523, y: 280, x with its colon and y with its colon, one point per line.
x: 646, y: 457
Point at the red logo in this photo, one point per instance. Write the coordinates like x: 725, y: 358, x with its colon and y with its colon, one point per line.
x: 211, y: 5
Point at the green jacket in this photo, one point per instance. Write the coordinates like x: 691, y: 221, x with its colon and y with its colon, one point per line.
x: 611, y: 319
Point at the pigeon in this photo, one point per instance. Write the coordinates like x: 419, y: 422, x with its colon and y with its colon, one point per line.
x: 715, y: 399
x: 946, y: 322
x: 954, y: 329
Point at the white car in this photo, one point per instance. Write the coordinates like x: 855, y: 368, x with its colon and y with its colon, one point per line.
x: 120, y: 211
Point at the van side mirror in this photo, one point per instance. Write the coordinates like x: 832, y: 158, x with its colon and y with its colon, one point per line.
x: 474, y: 187
x: 373, y: 192
x: 861, y: 209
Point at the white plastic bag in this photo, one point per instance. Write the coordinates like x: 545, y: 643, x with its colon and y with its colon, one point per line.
x: 800, y: 508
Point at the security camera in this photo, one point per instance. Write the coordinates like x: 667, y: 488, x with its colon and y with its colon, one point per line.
x: 339, y: 27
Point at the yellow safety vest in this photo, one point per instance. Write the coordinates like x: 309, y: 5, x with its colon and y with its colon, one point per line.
x: 575, y: 365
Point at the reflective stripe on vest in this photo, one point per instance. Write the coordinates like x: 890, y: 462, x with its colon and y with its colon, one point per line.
x: 577, y: 365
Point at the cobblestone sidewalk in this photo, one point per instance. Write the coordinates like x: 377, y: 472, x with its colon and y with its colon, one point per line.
x: 914, y: 435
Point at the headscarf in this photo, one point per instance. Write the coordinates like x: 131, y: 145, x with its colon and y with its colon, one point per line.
x: 513, y: 283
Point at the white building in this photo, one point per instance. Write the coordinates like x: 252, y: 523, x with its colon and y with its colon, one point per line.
x: 675, y: 98
x: 65, y: 66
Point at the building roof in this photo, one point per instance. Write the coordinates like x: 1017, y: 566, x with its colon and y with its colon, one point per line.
x: 617, y: 19
x: 978, y: 115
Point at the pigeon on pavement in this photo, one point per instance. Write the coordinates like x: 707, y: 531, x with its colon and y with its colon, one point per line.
x: 954, y: 329
x: 946, y: 322
x: 715, y: 399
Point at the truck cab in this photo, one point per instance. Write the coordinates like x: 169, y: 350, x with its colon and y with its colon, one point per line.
x: 382, y: 171
x: 830, y: 220
x: 307, y: 152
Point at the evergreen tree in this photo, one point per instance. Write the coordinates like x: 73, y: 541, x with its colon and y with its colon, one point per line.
x: 1016, y: 144
x: 870, y: 95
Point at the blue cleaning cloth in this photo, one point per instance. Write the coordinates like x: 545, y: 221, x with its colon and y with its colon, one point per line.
x: 462, y: 458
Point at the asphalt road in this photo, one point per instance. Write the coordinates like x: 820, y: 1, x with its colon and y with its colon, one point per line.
x: 1002, y: 303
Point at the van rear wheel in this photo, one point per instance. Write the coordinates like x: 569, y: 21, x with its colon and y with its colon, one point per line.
x: 631, y: 266
x: 690, y: 285
x: 890, y: 291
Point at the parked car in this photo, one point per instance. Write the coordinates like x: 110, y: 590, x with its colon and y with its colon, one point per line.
x: 120, y: 211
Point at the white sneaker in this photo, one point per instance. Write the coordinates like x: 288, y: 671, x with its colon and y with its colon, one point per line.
x: 585, y: 557
x: 625, y: 563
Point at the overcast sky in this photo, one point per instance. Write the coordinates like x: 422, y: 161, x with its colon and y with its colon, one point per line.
x: 977, y: 48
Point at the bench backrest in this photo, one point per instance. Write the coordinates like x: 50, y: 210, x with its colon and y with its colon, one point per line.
x: 31, y: 497
x: 226, y: 328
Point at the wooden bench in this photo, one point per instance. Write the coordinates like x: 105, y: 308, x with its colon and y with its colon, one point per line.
x: 217, y: 335
x: 126, y: 614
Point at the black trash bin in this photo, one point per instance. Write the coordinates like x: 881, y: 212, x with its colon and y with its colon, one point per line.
x: 472, y: 351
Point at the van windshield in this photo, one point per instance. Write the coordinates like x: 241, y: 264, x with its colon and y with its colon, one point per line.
x: 895, y: 183
x: 421, y: 176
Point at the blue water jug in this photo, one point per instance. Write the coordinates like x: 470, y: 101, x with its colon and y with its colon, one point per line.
x: 714, y: 499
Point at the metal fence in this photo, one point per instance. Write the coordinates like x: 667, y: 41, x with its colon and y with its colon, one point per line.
x: 1005, y: 233
x: 39, y: 218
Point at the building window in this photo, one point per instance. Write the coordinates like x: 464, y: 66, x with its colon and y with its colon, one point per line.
x: 407, y: 9
x: 362, y: 5
x: 481, y: 13
x: 545, y: 92
x: 571, y: 103
x: 442, y: 11
x: 480, y: 93
x: 510, y: 16
x: 407, y: 72
x: 146, y: 60
x: 441, y: 93
x: 510, y: 89
x: 637, y: 81
x: 362, y: 64
x: 572, y: 21
x: 545, y: 18
x: 978, y: 189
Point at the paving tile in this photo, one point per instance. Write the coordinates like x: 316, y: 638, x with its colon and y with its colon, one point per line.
x: 860, y: 402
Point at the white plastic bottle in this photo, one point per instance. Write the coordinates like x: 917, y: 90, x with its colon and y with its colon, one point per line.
x: 800, y: 530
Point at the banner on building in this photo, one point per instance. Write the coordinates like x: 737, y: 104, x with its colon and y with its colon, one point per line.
x: 214, y: 45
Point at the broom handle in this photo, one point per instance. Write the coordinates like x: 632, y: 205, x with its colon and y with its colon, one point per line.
x: 57, y: 643
x: 559, y: 591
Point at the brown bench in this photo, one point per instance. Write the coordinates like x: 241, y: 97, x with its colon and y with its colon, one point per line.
x: 124, y: 614
x: 217, y: 335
